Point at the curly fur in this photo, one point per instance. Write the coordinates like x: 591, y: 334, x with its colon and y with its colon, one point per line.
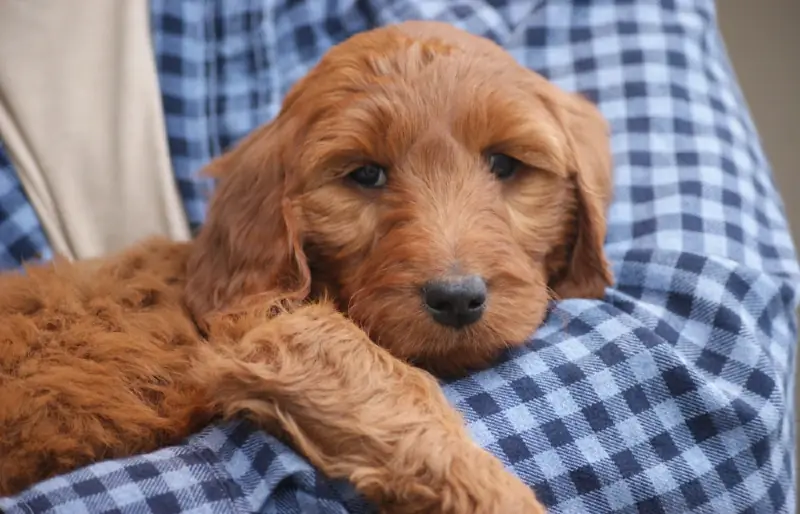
x: 297, y: 305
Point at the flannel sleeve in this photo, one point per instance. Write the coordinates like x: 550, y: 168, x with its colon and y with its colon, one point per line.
x: 672, y: 394
x: 22, y: 238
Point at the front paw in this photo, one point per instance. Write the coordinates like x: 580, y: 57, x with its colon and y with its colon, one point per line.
x: 475, y: 482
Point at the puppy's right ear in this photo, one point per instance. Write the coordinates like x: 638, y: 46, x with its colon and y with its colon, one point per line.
x: 249, y: 244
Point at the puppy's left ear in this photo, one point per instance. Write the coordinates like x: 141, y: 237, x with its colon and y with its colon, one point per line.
x: 588, y: 272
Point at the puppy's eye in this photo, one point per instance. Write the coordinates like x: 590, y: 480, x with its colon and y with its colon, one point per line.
x: 503, y: 166
x: 371, y: 176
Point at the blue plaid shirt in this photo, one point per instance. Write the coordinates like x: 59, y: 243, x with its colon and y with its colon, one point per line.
x: 673, y: 394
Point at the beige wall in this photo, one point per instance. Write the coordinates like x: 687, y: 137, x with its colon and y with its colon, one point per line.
x: 763, y: 41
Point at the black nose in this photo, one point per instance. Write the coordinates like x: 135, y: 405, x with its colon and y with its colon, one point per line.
x: 456, y: 302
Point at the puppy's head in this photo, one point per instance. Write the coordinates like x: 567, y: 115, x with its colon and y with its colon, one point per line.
x: 438, y: 191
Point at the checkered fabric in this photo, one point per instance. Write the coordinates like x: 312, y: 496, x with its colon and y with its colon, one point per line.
x: 673, y: 394
x: 21, y: 236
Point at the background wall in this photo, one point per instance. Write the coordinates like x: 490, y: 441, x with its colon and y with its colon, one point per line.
x: 763, y: 42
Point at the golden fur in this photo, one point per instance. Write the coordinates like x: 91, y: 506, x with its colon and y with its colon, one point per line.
x: 273, y: 312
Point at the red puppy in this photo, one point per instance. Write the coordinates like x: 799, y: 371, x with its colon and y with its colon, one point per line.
x: 419, y: 200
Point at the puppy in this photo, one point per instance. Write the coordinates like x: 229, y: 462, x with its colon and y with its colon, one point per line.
x: 414, y: 206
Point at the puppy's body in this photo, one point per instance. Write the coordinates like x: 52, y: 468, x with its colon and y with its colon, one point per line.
x: 105, y: 363
x: 94, y: 362
x: 483, y: 173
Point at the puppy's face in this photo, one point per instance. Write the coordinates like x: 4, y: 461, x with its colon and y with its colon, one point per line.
x: 436, y: 193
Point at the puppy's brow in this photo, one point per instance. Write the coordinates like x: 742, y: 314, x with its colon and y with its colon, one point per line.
x: 363, y: 131
x: 535, y: 153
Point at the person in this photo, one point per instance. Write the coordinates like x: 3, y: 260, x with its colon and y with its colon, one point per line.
x: 672, y: 394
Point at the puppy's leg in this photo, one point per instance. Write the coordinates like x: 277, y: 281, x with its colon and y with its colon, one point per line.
x: 358, y: 413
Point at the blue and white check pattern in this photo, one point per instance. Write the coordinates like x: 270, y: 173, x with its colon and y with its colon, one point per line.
x: 674, y: 394
x: 21, y: 236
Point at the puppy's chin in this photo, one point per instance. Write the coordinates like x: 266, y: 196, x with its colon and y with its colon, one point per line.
x: 461, y: 358
x: 459, y: 352
x: 404, y: 330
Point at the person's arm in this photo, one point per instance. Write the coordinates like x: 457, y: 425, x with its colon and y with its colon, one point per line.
x: 21, y: 236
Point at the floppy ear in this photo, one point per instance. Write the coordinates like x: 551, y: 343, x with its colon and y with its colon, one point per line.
x: 249, y: 244
x: 588, y: 271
